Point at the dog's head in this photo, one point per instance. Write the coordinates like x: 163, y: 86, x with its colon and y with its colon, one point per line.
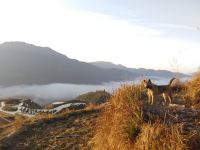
x: 147, y: 83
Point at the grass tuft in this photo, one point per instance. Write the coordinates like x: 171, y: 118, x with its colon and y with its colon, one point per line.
x: 119, y: 124
x: 193, y: 91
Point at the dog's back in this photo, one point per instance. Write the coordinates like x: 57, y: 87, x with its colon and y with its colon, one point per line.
x: 159, y: 89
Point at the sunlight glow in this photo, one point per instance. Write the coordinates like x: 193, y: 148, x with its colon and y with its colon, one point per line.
x: 91, y: 36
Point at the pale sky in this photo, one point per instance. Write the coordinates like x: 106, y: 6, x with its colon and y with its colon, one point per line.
x: 158, y: 34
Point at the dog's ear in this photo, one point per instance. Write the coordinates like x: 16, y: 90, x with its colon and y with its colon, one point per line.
x: 149, y: 81
x: 144, y: 81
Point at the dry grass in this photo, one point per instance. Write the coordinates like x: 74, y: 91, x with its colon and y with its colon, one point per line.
x: 159, y: 136
x: 92, y: 106
x: 70, y: 131
x: 119, y: 123
x: 10, y: 128
x: 19, y: 121
x: 122, y: 125
x: 193, y: 90
x: 41, y: 116
x: 23, y: 120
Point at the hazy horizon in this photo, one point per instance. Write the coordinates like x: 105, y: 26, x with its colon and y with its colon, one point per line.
x: 135, y: 33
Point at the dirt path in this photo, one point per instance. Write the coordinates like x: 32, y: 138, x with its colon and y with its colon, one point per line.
x: 5, y: 118
x: 2, y: 119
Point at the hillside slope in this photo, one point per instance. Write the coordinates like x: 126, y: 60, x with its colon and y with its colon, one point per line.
x: 126, y: 122
x: 66, y: 131
x: 129, y: 122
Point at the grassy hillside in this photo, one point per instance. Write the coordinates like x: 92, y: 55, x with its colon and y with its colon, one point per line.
x: 126, y: 121
x: 70, y: 130
x: 93, y: 98
x: 97, y: 97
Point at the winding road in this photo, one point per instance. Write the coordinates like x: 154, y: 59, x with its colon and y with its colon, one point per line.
x: 1, y: 117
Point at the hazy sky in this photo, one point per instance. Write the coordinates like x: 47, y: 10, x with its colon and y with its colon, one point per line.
x: 159, y: 34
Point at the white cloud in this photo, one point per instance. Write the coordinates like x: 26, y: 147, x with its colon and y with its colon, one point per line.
x: 90, y: 36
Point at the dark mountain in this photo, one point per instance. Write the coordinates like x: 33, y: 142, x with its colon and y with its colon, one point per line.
x: 140, y: 71
x: 108, y: 65
x: 22, y: 63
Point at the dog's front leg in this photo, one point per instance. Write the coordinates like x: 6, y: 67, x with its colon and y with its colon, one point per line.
x: 152, y: 99
x: 149, y: 97
x: 164, y: 96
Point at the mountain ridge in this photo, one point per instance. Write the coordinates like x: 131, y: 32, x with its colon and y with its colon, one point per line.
x: 26, y: 64
x: 22, y: 63
x: 140, y: 71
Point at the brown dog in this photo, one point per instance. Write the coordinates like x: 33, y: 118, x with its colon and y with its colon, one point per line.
x: 153, y: 90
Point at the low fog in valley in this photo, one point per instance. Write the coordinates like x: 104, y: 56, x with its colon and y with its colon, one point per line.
x: 44, y: 94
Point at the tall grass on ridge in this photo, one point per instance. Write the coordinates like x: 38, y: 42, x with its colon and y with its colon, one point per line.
x: 193, y: 90
x: 119, y: 123
x: 123, y: 125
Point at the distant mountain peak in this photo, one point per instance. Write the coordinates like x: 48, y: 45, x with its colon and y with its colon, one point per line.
x: 104, y: 64
x: 18, y: 43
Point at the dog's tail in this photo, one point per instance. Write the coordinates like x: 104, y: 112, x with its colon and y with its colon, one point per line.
x: 170, y: 82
